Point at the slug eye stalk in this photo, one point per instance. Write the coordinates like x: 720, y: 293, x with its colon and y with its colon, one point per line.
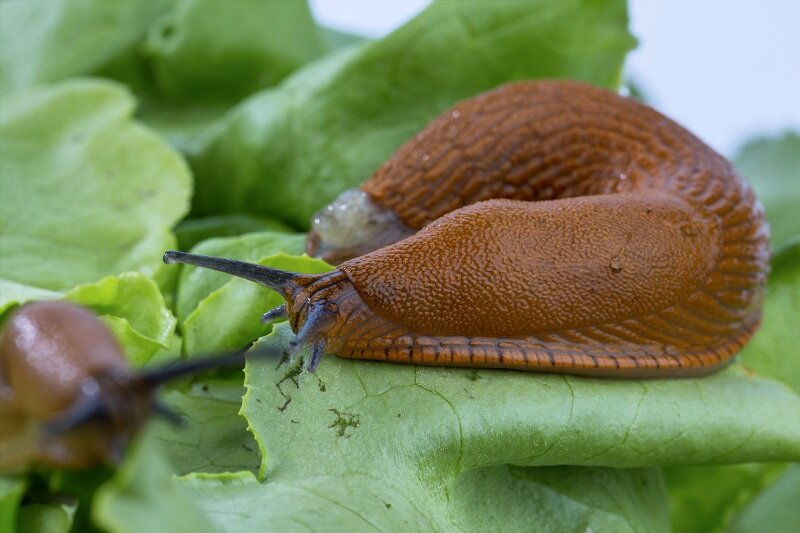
x: 310, y: 319
x: 272, y: 278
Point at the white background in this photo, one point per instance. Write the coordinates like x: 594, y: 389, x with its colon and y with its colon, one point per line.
x: 725, y: 69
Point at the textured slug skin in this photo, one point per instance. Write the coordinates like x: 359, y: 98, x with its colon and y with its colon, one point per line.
x: 598, y: 238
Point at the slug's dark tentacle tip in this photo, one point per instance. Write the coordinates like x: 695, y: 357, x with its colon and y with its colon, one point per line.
x: 273, y: 314
x: 171, y: 257
x: 167, y: 413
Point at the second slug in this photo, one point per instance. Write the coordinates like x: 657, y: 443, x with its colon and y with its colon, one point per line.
x: 546, y: 226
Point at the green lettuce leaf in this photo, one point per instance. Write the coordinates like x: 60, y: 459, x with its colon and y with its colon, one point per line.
x: 133, y: 309
x: 705, y: 499
x: 769, y: 353
x: 142, y: 495
x: 503, y: 498
x: 339, y: 444
x: 772, y: 165
x: 13, y: 294
x: 43, y: 42
x: 188, y: 61
x: 213, y: 437
x: 11, y: 491
x: 193, y: 231
x: 288, y: 151
x: 226, y: 50
x: 775, y: 509
x: 46, y: 518
x: 86, y: 191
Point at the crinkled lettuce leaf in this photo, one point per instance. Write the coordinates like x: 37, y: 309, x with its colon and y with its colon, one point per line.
x: 187, y: 61
x: 87, y: 192
x: 133, y: 309
x: 286, y: 152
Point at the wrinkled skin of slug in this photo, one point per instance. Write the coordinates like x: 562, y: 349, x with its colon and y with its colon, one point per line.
x: 561, y: 228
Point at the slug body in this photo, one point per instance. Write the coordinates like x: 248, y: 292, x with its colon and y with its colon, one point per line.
x: 553, y: 227
x: 67, y: 395
x: 56, y: 360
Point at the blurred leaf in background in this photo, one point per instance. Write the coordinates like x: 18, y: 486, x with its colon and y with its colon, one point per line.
x: 751, y: 497
x: 87, y: 191
x: 44, y: 42
x: 772, y: 166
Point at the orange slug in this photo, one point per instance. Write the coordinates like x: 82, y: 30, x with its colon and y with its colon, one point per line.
x: 548, y: 226
x: 67, y: 395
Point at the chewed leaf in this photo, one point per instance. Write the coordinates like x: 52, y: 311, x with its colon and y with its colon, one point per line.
x: 107, y: 191
x: 469, y: 419
x: 440, y: 427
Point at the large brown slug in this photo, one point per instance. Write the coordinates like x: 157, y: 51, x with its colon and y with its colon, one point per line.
x: 67, y: 395
x: 547, y: 226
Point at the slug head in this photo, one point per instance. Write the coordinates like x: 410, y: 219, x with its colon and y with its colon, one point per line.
x: 315, y: 303
x: 352, y: 225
